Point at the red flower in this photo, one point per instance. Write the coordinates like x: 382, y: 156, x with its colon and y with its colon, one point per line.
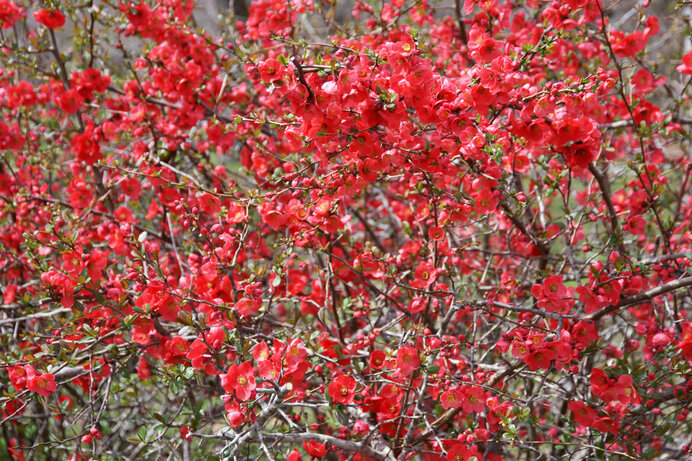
x: 294, y: 456
x: 247, y: 306
x: 583, y: 414
x: 260, y: 352
x: 588, y: 297
x: 236, y: 214
x: 610, y: 291
x: 626, y: 45
x: 625, y: 391
x: 402, y: 46
x: 686, y: 344
x: 552, y: 294
x: 475, y: 400
x: 53, y: 19
x: 69, y: 101
x: 86, y: 148
x: 314, y: 448
x: 407, y: 360
x: 42, y: 384
x: 16, y: 449
x: 270, y: 70
x: 425, y: 275
x: 209, y: 203
x: 607, y: 424
x: 131, y: 187
x: 417, y: 305
x: 599, y: 381
x: 342, y: 389
x: 520, y: 349
x: 436, y: 233
x: 552, y: 288
x: 123, y: 214
x: 686, y: 66
x: 9, y: 14
x: 18, y: 377
x: 143, y: 371
x: 540, y: 359
x: 585, y: 333
x: 377, y: 359
x: 452, y: 398
x: 486, y: 201
x: 460, y: 452
x: 177, y: 346
x: 579, y: 154
x: 240, y: 379
x: 295, y: 354
x: 73, y: 263
x: 89, y: 81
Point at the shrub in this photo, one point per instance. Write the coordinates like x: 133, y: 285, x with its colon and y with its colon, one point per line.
x: 433, y: 231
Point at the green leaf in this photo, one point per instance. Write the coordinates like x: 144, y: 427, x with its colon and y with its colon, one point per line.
x: 432, y: 369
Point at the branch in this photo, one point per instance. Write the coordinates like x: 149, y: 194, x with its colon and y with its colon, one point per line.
x: 605, y: 192
x: 644, y: 296
x: 629, y: 122
x: 37, y: 315
x: 460, y: 20
x: 539, y: 312
x: 544, y: 250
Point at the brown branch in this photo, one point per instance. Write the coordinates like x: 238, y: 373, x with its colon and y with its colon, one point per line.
x: 368, y: 229
x: 460, y: 21
x: 605, y: 192
x: 524, y: 230
x: 642, y: 297
x: 37, y: 315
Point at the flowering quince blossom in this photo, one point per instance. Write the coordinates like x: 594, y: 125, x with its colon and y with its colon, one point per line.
x: 686, y: 66
x: 407, y: 360
x: 40, y: 383
x: 53, y: 19
x: 405, y: 231
x: 10, y: 13
x: 341, y: 390
x: 239, y: 379
x: 451, y: 398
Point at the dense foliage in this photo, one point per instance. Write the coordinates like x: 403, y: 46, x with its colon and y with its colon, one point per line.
x: 435, y: 230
